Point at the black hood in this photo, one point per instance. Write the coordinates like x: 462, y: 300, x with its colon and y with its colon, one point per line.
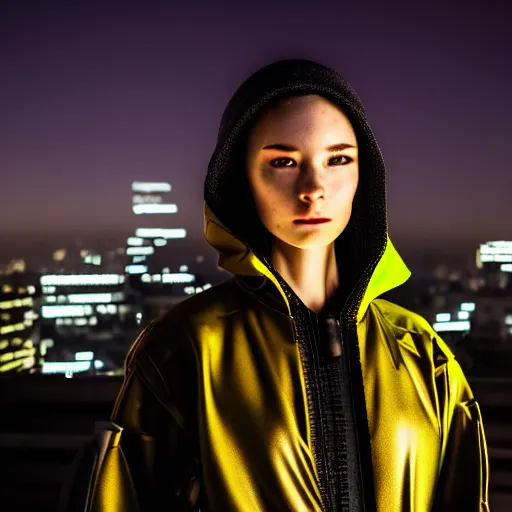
x: 227, y: 192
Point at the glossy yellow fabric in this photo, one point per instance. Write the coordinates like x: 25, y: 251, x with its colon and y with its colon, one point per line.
x: 256, y: 446
x: 239, y: 357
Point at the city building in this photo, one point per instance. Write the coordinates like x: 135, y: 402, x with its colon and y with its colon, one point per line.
x: 86, y: 313
x: 153, y: 251
x: 19, y: 329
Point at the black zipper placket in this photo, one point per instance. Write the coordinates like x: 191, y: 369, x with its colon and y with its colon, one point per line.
x: 360, y: 413
x: 367, y: 488
x: 312, y: 338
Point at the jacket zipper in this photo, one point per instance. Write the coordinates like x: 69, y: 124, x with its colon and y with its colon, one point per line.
x: 348, y: 358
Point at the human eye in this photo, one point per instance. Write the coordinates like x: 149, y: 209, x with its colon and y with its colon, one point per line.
x: 274, y: 163
x: 348, y: 159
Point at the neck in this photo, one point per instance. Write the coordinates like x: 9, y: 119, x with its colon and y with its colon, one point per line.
x: 311, y: 273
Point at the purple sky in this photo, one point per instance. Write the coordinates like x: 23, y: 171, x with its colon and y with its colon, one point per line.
x: 93, y: 98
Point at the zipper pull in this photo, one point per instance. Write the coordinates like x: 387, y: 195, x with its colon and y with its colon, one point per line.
x: 332, y: 338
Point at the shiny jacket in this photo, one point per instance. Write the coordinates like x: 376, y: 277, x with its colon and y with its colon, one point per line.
x: 242, y: 399
x: 215, y: 397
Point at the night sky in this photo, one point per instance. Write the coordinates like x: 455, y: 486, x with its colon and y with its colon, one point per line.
x: 93, y: 98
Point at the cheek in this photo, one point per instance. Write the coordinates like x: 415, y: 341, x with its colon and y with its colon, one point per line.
x: 344, y: 189
x: 270, y: 194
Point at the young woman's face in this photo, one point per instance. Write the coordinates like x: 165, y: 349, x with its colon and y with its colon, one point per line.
x: 302, y: 176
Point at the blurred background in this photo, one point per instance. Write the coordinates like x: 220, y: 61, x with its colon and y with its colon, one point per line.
x: 109, y: 115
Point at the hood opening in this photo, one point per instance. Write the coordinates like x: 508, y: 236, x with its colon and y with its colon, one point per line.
x: 360, y: 246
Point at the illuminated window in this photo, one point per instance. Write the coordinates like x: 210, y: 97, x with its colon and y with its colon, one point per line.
x: 181, y: 277
x: 148, y: 187
x: 132, y: 251
x: 140, y: 209
x: 66, y: 311
x: 452, y: 326
x: 135, y: 241
x: 161, y: 232
x: 136, y: 269
x: 82, y: 279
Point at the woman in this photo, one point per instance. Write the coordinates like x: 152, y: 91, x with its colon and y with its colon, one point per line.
x: 293, y: 386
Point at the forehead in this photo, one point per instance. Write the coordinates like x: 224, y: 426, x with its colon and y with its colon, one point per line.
x: 300, y: 113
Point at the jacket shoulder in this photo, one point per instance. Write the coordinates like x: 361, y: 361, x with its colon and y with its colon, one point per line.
x: 217, y: 301
x: 167, y: 334
x: 406, y: 321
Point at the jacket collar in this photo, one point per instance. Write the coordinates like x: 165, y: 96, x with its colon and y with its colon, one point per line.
x: 236, y: 257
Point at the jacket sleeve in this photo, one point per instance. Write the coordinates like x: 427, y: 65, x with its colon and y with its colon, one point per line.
x: 464, y: 472
x: 155, y: 443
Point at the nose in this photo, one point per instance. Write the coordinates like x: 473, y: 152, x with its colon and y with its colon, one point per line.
x: 310, y: 188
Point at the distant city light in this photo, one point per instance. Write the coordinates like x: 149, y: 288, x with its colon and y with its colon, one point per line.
x: 135, y: 240
x: 452, y: 326
x: 65, y: 367
x: 146, y: 199
x: 160, y: 242
x: 140, y: 209
x: 16, y: 303
x: 143, y: 186
x: 30, y: 315
x: 467, y: 306
x: 133, y: 251
x: 508, y: 320
x: 498, y: 258
x: 63, y: 311
x: 161, y: 232
x: 82, y: 279
x: 443, y: 317
x: 94, y: 259
x: 136, y: 269
x: 463, y: 315
x: 106, y: 309
x: 506, y: 267
x: 501, y: 247
x: 84, y: 356
x: 497, y: 252
x: 184, y: 268
x: 181, y: 277
x: 94, y: 298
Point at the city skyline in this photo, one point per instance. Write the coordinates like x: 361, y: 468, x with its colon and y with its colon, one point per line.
x: 97, y: 99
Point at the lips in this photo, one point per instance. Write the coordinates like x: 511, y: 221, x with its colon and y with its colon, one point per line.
x: 320, y: 220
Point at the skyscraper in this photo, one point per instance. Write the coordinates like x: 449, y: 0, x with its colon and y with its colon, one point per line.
x: 19, y: 332
x: 155, y: 248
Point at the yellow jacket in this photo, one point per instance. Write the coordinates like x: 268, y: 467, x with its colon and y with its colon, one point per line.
x: 223, y: 369
x: 239, y: 398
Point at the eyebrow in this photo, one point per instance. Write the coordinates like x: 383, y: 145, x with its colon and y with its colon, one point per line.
x: 286, y: 147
